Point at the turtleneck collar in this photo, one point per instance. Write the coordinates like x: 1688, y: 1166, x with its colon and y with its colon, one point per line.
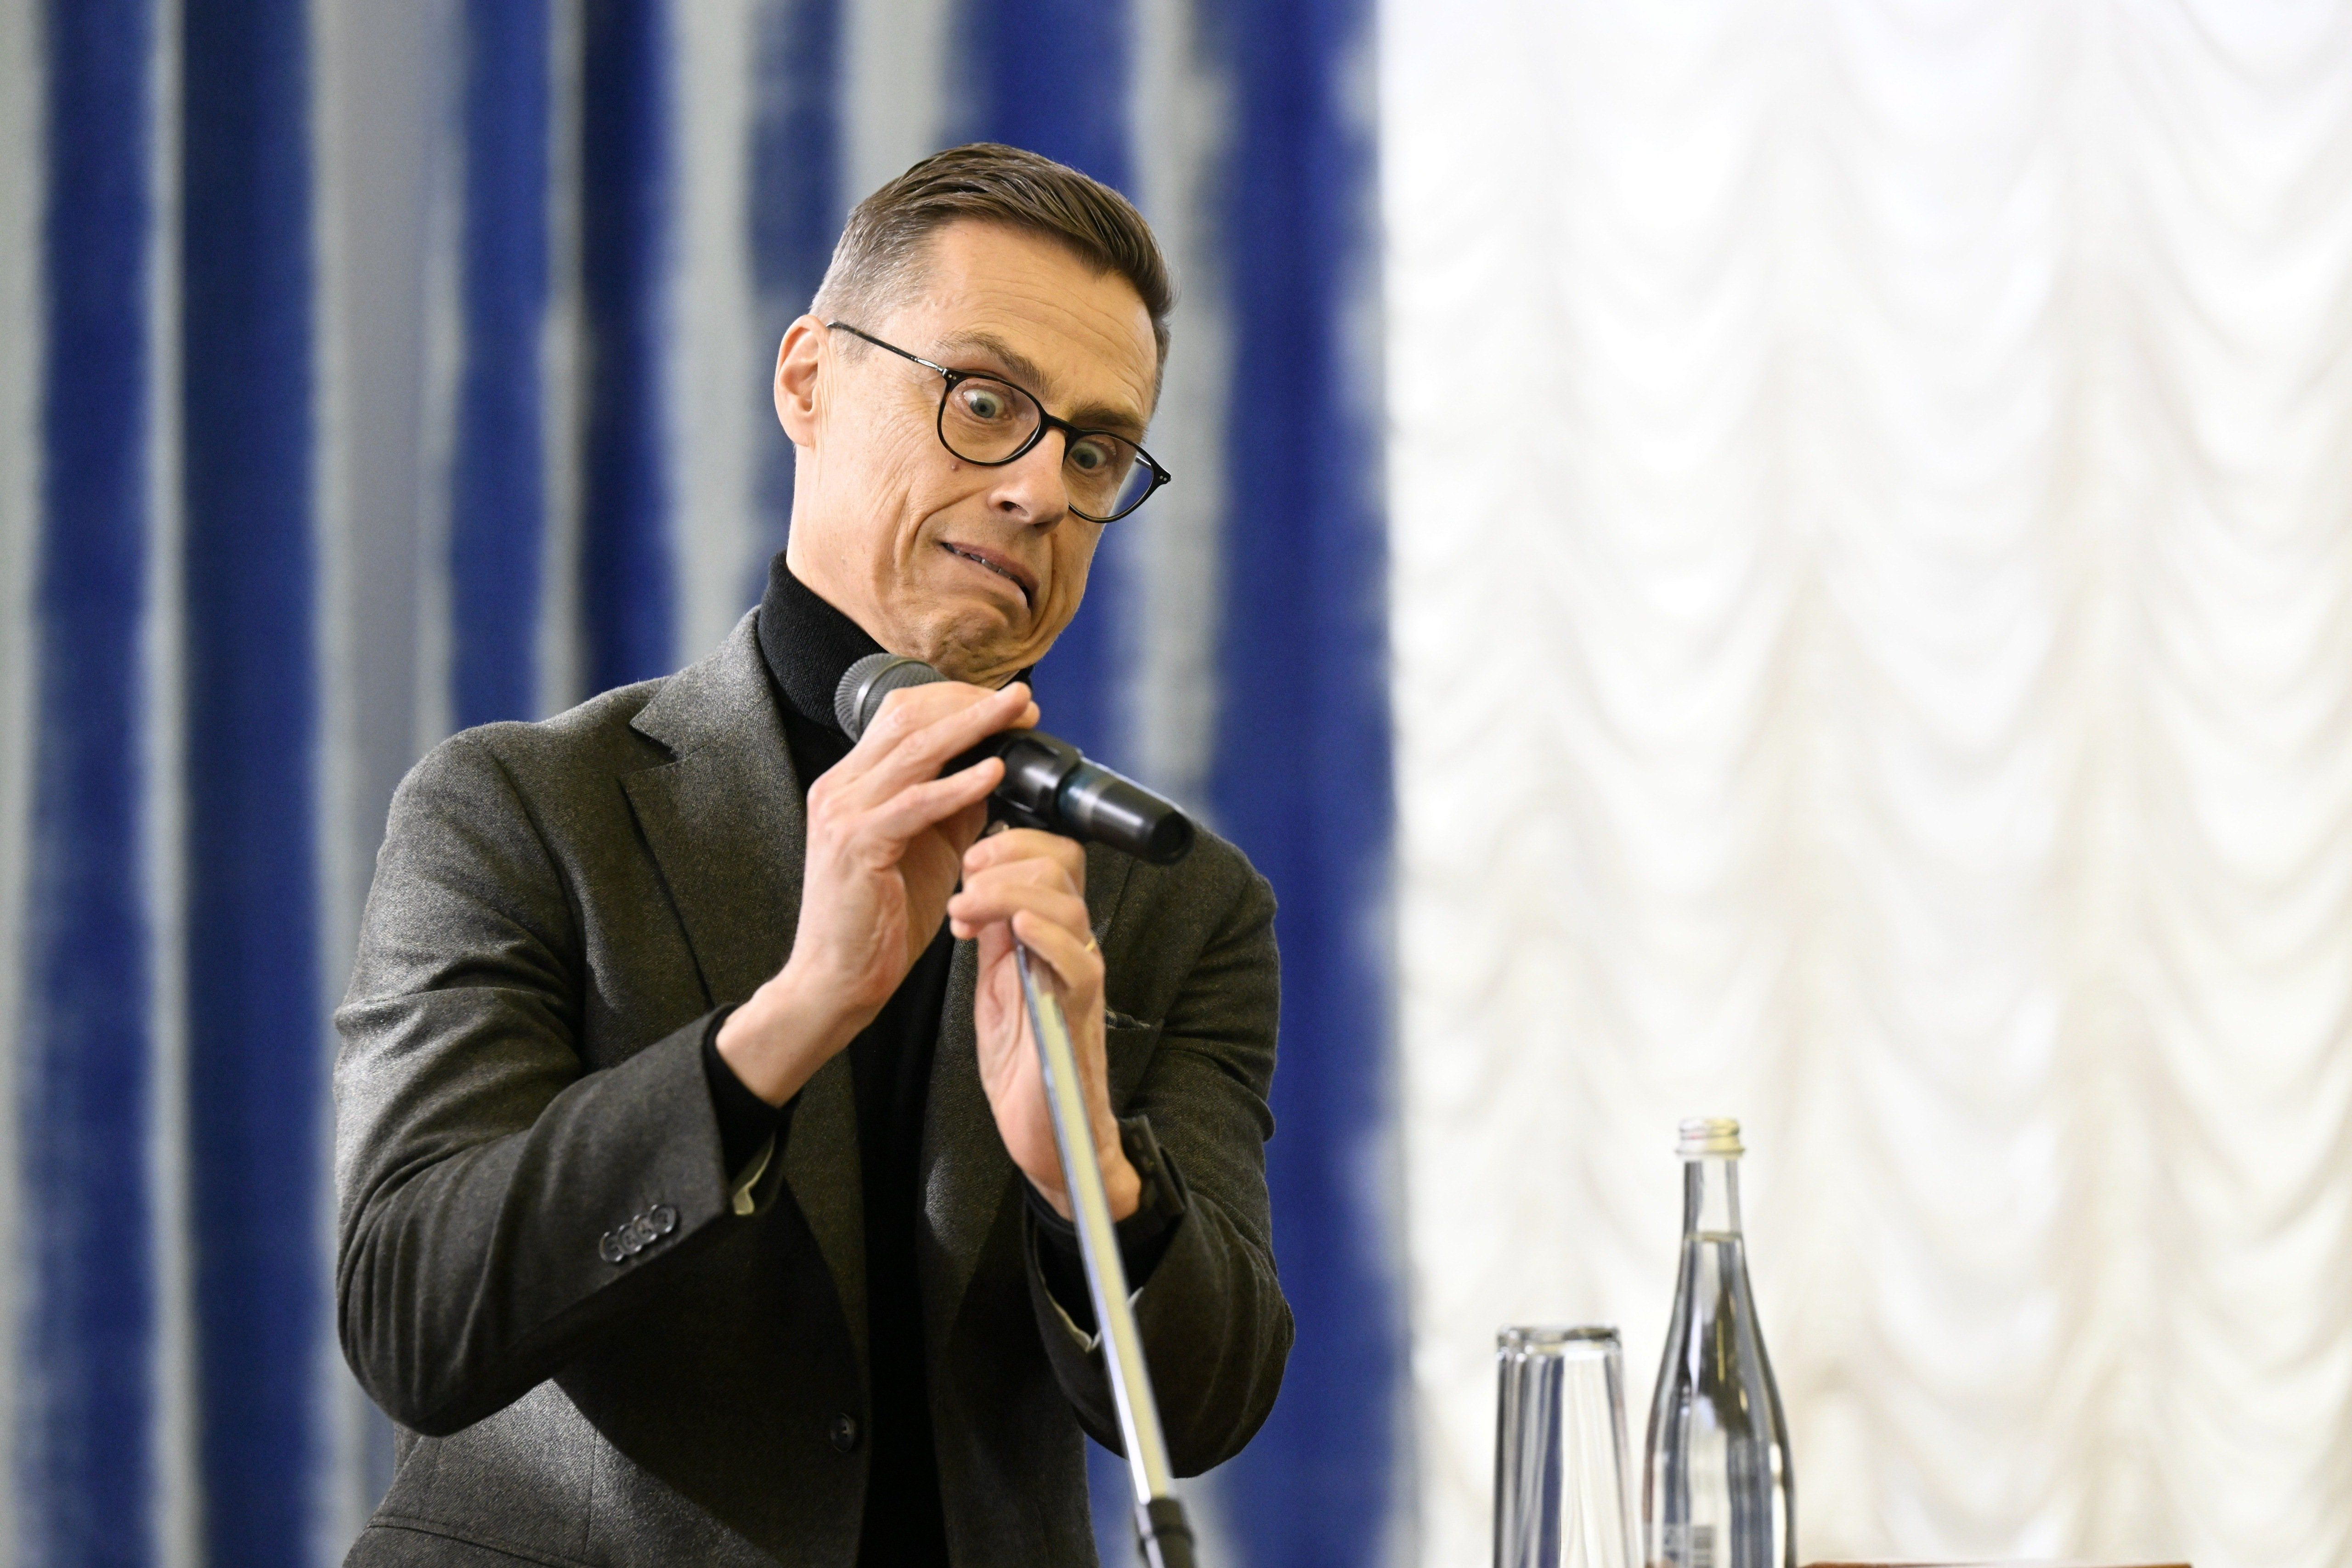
x: 808, y: 644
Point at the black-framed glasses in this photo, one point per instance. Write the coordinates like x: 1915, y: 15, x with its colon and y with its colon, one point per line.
x: 988, y: 421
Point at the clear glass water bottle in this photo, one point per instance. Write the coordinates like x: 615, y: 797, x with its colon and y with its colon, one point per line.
x: 1718, y: 1490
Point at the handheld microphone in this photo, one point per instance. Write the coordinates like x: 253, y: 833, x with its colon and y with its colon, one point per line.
x: 1048, y: 783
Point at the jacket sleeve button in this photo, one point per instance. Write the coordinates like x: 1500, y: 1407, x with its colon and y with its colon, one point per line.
x: 843, y: 1433
x: 609, y: 1248
x: 664, y: 1218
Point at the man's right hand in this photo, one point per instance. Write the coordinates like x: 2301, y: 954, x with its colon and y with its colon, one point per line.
x: 887, y: 837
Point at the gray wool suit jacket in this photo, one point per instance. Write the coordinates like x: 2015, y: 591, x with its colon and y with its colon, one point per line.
x: 558, y: 910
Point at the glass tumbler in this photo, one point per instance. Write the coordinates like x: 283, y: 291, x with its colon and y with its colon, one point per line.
x: 1560, y: 1451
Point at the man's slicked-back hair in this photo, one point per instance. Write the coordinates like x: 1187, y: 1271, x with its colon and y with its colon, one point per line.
x: 886, y: 244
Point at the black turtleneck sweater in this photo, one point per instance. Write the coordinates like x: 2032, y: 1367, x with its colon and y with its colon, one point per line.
x: 807, y: 644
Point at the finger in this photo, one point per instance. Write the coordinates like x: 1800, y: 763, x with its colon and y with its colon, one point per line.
x: 1016, y: 699
x: 968, y: 918
x: 1034, y: 889
x: 889, y: 776
x: 1028, y: 843
x: 906, y: 711
x: 903, y: 713
x: 1076, y: 961
x: 1028, y: 870
x: 973, y: 908
x: 890, y: 825
x: 920, y: 706
x: 918, y: 747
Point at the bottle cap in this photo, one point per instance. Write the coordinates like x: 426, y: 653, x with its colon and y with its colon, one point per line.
x: 1709, y: 1137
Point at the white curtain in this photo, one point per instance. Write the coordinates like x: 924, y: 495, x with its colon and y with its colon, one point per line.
x: 1873, y: 619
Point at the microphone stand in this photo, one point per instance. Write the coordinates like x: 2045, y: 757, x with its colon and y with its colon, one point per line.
x: 1167, y: 1538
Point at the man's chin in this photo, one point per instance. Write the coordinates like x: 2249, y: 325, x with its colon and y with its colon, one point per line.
x: 975, y: 640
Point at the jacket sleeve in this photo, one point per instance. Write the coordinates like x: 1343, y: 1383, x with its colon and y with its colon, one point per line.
x: 501, y: 1208
x: 1215, y: 1327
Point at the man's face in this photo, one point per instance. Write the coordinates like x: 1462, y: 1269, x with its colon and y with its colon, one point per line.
x: 975, y: 570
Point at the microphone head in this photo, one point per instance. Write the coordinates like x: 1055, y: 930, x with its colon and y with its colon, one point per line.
x: 864, y: 684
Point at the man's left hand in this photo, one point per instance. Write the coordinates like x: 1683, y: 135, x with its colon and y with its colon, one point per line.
x: 1024, y: 884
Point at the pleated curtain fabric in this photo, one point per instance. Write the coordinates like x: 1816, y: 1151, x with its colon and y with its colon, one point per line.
x: 369, y: 371
x: 1872, y: 620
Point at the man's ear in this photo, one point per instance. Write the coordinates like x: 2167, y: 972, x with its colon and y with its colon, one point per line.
x: 799, y: 360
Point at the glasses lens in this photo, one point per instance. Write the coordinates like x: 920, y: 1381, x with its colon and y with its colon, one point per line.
x: 986, y: 421
x: 1106, y: 476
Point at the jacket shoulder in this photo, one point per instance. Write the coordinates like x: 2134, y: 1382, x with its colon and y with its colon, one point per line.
x: 627, y: 729
x: 1214, y: 881
x: 594, y: 739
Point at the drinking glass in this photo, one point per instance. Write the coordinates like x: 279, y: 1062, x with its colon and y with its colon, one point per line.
x: 1561, y: 1498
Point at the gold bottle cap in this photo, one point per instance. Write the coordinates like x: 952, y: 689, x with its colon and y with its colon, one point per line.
x: 1710, y: 1138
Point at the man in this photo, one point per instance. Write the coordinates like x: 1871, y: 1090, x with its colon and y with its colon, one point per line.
x: 698, y: 1199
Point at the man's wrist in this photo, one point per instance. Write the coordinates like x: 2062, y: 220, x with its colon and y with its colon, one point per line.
x: 1144, y: 1236
x: 1122, y: 1184
x: 776, y: 1041
x: 746, y: 1122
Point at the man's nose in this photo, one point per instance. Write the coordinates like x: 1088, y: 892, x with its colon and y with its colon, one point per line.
x: 1030, y: 489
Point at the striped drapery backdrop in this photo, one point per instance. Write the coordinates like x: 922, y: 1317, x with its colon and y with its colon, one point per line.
x: 368, y: 371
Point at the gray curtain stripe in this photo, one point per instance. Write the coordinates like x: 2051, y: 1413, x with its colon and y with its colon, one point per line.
x: 894, y: 91
x: 563, y: 409
x: 23, y: 163
x: 1169, y: 646
x: 178, y: 1511
x: 718, y: 420
x: 380, y: 91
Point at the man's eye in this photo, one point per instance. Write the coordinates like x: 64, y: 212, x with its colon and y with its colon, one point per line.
x: 986, y: 403
x: 1090, y: 456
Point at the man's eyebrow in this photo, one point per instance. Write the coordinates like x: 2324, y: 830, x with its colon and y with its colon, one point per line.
x: 1007, y: 357
x: 1023, y: 369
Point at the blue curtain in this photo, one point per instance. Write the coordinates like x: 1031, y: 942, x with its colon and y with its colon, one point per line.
x: 797, y: 204
x: 1300, y: 777
x: 249, y: 697
x: 197, y: 806
x: 87, y: 1365
x: 498, y: 486
x: 626, y: 587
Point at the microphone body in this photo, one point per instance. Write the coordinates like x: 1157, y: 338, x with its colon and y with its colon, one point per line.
x: 1048, y: 783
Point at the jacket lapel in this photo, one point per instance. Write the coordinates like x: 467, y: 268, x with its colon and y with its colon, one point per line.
x: 725, y: 821
x: 725, y: 825
x: 967, y: 1176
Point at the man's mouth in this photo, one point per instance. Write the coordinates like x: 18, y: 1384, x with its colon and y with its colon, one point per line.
x: 1003, y: 568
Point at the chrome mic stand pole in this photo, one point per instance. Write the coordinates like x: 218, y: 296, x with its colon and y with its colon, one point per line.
x: 1160, y: 1517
